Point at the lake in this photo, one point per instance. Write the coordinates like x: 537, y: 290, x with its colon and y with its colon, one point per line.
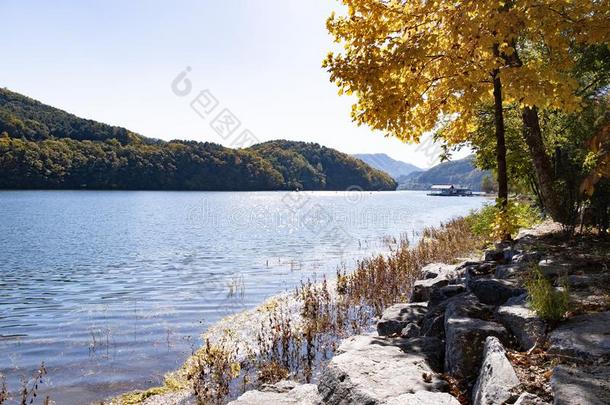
x: 111, y: 289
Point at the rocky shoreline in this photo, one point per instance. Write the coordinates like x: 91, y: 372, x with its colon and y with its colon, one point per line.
x: 468, y: 335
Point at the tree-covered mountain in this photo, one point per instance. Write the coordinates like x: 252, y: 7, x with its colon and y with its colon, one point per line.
x: 42, y: 147
x: 383, y: 162
x: 310, y: 166
x: 23, y: 117
x: 459, y: 172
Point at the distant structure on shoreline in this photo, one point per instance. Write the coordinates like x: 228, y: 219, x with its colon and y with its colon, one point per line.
x: 449, y: 190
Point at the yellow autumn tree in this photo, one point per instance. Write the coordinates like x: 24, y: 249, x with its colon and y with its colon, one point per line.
x: 416, y: 65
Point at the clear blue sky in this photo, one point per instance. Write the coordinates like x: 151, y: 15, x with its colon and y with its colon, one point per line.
x: 114, y: 61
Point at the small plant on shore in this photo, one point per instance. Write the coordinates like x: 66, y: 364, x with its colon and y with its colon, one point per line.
x: 278, y: 340
x: 549, y: 303
x: 217, y: 368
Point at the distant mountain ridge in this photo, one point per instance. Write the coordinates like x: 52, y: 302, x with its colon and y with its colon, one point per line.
x: 43, y: 147
x: 383, y: 162
x: 459, y: 172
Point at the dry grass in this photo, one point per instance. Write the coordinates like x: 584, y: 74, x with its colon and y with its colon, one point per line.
x: 272, y: 373
x: 381, y: 281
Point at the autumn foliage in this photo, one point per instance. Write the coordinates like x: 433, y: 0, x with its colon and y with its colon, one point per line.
x: 416, y: 65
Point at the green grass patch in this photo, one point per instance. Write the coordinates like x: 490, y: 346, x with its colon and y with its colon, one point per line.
x: 550, y: 304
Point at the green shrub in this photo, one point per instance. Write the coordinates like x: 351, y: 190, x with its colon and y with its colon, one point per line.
x: 481, y: 221
x: 549, y: 303
x: 490, y: 221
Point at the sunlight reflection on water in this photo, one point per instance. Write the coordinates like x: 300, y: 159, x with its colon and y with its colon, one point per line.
x: 112, y: 289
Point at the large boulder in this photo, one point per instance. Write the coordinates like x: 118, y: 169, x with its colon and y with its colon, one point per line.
x: 590, y: 386
x: 497, y: 378
x: 466, y: 328
x: 398, y: 316
x: 583, y: 337
x: 303, y: 394
x: 521, y: 321
x: 433, y: 323
x: 424, y: 398
x: 370, y: 370
x: 467, y: 305
x: 493, y: 291
x: 441, y: 294
x: 444, y: 274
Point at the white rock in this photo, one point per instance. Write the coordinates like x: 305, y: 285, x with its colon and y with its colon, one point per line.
x: 496, y: 378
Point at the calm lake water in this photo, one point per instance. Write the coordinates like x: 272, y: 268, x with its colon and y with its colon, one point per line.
x: 112, y: 289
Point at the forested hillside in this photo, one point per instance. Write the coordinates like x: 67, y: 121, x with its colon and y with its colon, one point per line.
x: 459, y: 172
x: 310, y: 166
x: 43, y: 147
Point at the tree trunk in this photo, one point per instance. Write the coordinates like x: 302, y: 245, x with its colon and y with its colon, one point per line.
x: 545, y: 175
x: 500, y: 141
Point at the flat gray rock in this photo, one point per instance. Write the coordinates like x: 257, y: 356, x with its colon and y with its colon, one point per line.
x: 572, y: 386
x: 398, y: 316
x: 371, y: 370
x: 583, y: 337
x: 497, y: 378
x: 424, y: 398
x: 521, y: 321
x: 303, y: 394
